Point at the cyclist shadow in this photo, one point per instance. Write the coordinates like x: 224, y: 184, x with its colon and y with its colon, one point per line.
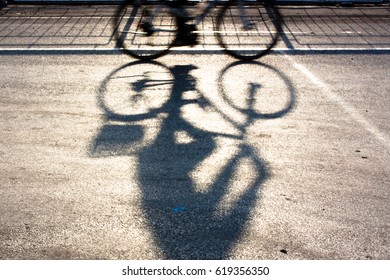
x: 187, y: 223
x: 190, y: 216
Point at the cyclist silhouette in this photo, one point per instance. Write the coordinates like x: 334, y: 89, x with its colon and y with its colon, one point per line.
x: 185, y: 34
x: 197, y: 192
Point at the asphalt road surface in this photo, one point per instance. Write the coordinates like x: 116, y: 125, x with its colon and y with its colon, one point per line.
x: 197, y: 155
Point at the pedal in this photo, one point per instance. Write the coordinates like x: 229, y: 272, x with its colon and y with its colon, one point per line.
x: 185, y: 41
x: 191, y: 34
x: 191, y: 27
x: 148, y: 28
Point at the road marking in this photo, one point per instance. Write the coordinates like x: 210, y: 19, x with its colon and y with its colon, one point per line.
x: 348, y: 108
x: 196, y: 49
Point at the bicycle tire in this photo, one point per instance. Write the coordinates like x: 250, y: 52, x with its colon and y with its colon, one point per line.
x: 248, y: 30
x: 138, y: 36
x: 260, y: 92
x: 135, y: 91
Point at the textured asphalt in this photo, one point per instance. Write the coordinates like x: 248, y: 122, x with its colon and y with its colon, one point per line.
x: 89, y: 28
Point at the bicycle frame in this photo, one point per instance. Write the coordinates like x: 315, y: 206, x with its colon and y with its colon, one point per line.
x: 197, y: 19
x: 245, y: 29
x: 212, y: 4
x: 205, y: 12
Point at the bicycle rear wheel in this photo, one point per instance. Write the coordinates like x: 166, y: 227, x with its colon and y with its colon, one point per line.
x: 144, y: 30
x: 248, y: 29
x: 136, y: 91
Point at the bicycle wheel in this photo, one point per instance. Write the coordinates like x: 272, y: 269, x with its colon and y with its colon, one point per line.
x: 260, y: 91
x: 144, y: 30
x: 248, y: 29
x: 136, y: 91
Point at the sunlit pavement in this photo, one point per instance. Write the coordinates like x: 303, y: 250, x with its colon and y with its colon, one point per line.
x: 89, y: 29
x: 286, y: 157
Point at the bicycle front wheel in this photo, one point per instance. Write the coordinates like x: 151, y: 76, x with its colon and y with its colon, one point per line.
x: 248, y: 29
x: 144, y: 30
x: 136, y: 91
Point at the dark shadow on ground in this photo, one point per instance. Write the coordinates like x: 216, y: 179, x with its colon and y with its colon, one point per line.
x: 185, y: 222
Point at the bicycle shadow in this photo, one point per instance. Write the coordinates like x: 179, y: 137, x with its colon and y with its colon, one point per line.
x: 197, y: 194
x: 55, y: 27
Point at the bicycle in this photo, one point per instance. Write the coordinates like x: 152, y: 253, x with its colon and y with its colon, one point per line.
x: 245, y: 29
x: 174, y: 154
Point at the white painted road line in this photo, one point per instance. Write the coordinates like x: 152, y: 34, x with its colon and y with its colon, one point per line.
x: 192, y: 49
x: 337, y: 99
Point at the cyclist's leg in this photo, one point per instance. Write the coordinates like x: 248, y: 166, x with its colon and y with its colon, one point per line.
x: 248, y: 29
x: 144, y: 30
x: 185, y: 35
